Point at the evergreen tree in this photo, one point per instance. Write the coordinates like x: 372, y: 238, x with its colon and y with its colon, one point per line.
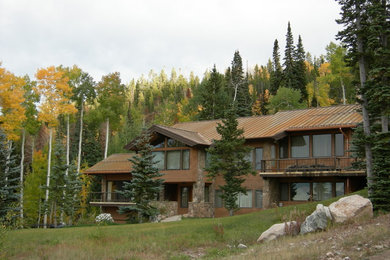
x: 212, y: 97
x: 145, y: 182
x: 289, y: 73
x: 228, y: 160
x: 300, y: 69
x: 8, y: 178
x: 239, y: 85
x: 277, y: 71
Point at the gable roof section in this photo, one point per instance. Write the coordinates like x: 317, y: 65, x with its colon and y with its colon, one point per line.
x: 114, y: 164
x: 270, y: 126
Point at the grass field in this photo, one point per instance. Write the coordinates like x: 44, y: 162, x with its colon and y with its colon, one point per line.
x: 176, y: 240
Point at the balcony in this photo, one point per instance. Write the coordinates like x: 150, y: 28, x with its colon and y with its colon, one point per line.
x: 308, y: 166
x: 109, y: 199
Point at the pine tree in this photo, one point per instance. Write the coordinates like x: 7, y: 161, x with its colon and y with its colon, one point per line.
x: 145, y: 182
x: 277, y: 71
x: 300, y: 69
x: 212, y: 97
x: 8, y: 178
x: 228, y: 160
x: 239, y: 85
x: 288, y: 73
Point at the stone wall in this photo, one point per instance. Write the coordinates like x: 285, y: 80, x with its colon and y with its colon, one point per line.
x: 167, y: 208
x: 270, y: 193
x: 200, y: 210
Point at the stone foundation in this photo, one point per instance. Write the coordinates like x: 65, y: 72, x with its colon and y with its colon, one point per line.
x: 166, y: 208
x: 200, y: 210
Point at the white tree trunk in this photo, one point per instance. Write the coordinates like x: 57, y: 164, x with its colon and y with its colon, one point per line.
x: 366, y: 119
x: 22, y: 175
x: 67, y: 164
x: 107, y: 135
x: 6, y: 170
x: 48, y: 178
x: 80, y: 139
x: 343, y: 88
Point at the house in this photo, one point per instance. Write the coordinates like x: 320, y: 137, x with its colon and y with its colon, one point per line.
x: 299, y: 156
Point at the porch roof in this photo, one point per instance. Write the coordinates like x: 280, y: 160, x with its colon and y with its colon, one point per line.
x: 114, y: 164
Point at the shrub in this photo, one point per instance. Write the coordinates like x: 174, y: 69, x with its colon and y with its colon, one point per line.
x: 104, y: 218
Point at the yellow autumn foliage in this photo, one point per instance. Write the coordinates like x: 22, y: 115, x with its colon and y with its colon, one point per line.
x: 55, y: 95
x: 12, y: 112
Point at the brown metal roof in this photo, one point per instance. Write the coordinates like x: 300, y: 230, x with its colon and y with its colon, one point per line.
x: 116, y: 163
x: 272, y: 126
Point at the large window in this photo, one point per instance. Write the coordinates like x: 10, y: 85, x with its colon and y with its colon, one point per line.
x: 159, y: 159
x: 304, y: 191
x: 172, y: 160
x: 339, y: 144
x: 245, y: 201
x: 258, y: 158
x: 322, y: 190
x: 207, y: 193
x: 300, y: 146
x: 259, y: 199
x: 322, y: 145
x: 283, y: 148
x: 300, y: 191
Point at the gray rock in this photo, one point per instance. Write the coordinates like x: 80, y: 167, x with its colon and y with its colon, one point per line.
x: 351, y: 207
x: 172, y: 219
x: 318, y: 220
x: 274, y: 232
x: 242, y: 246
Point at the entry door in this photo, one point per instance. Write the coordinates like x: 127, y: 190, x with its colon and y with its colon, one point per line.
x: 184, y: 196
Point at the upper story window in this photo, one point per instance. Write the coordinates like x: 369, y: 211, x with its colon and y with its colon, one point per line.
x: 322, y: 145
x: 283, y: 148
x: 339, y: 144
x: 300, y: 146
x: 172, y: 159
x: 258, y: 158
x: 174, y: 143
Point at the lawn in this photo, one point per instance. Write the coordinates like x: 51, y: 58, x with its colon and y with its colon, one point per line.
x: 175, y: 240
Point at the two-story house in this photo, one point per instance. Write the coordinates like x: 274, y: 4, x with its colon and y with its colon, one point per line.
x: 299, y: 156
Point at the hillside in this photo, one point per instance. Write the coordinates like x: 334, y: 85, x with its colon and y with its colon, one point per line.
x: 199, y: 238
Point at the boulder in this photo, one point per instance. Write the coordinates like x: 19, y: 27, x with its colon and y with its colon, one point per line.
x: 172, y: 219
x: 275, y: 231
x: 351, y: 207
x: 318, y: 220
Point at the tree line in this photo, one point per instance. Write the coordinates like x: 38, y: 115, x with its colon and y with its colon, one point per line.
x: 62, y: 121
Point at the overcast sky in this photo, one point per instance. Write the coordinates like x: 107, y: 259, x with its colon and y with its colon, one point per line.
x: 133, y: 37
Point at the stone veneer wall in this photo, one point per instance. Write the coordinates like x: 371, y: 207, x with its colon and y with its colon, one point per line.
x: 167, y: 208
x: 200, y: 210
x: 270, y: 193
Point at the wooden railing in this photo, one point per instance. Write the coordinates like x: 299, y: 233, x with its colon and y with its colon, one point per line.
x: 307, y: 164
x: 108, y: 197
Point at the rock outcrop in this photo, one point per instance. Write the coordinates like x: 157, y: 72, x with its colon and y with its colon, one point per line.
x: 318, y: 220
x: 351, y: 207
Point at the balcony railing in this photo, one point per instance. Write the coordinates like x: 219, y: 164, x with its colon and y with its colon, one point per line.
x: 307, y: 164
x: 108, y: 197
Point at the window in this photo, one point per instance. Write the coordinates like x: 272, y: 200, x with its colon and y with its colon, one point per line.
x: 186, y: 159
x: 207, y: 193
x: 259, y: 199
x: 258, y: 158
x: 160, y: 144
x: 284, y: 192
x: 339, y: 189
x: 322, y: 145
x: 300, y: 146
x: 322, y: 190
x: 159, y: 160
x: 184, y: 197
x: 173, y: 160
x: 174, y: 143
x: 249, y: 156
x: 339, y: 144
x: 218, y: 199
x: 300, y: 191
x: 283, y: 148
x: 245, y: 201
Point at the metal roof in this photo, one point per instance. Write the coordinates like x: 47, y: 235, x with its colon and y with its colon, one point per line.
x: 116, y: 163
x: 274, y: 126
